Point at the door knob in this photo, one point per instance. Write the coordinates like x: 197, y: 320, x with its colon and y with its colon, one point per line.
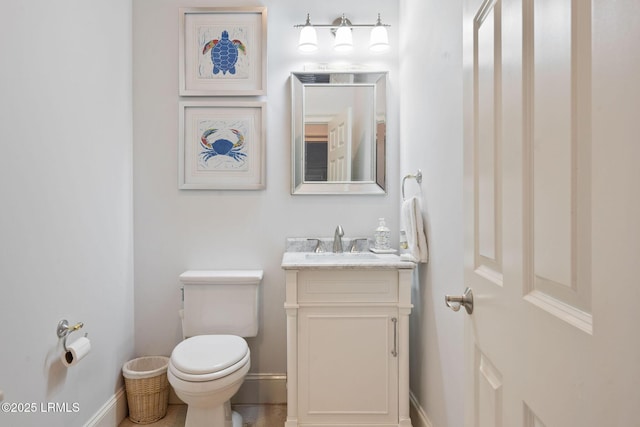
x: 455, y: 302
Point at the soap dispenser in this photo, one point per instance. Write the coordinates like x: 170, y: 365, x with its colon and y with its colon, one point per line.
x: 382, y: 236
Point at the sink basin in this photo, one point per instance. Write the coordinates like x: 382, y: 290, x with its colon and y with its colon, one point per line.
x: 330, y: 256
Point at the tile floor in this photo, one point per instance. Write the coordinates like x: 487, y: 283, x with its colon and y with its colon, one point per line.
x: 253, y: 416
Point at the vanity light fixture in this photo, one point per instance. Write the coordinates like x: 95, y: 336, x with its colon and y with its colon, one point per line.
x: 308, y: 41
x: 342, y: 30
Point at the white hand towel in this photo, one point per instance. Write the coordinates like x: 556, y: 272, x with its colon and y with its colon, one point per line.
x: 414, y: 228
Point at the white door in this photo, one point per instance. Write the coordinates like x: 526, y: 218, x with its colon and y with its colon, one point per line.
x: 552, y: 246
x: 339, y: 156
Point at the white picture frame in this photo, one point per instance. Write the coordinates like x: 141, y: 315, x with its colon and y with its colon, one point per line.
x: 223, y: 51
x: 221, y: 145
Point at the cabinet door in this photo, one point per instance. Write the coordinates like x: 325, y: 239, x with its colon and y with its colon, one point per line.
x: 348, y: 365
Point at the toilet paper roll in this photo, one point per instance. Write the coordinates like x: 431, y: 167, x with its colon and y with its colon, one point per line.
x: 76, y: 351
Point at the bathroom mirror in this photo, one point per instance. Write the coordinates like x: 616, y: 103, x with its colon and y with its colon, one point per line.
x: 338, y: 132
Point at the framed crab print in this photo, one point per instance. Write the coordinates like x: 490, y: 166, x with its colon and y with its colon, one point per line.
x: 221, y: 146
x: 223, y: 51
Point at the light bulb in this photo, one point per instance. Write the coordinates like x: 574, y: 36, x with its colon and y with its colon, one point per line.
x: 308, y: 41
x: 379, y: 40
x: 344, y: 39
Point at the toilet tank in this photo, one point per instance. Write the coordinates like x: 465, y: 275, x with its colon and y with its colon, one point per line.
x: 220, y: 302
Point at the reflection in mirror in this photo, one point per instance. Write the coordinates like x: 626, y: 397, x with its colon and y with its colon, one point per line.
x: 339, y: 131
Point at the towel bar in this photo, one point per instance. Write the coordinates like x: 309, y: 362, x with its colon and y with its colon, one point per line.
x: 417, y: 176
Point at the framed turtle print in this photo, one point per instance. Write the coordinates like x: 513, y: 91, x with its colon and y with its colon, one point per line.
x: 223, y: 51
x: 221, y: 146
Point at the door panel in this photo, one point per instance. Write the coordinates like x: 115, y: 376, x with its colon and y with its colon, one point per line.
x: 339, y: 156
x: 347, y: 371
x: 557, y: 146
x: 488, y: 383
x: 487, y: 176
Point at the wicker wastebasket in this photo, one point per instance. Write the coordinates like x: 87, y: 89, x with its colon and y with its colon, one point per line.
x: 145, y: 380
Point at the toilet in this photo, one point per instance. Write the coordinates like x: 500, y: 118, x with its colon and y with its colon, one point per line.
x: 208, y: 367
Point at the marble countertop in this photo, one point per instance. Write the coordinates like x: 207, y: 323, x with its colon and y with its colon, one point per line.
x: 299, y: 255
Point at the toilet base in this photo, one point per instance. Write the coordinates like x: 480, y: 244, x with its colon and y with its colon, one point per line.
x: 236, y: 419
x: 222, y: 416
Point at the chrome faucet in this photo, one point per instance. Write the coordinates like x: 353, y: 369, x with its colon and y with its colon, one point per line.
x: 337, y: 239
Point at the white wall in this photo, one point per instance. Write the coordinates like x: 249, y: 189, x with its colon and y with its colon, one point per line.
x: 177, y: 230
x: 66, y: 217
x: 431, y: 139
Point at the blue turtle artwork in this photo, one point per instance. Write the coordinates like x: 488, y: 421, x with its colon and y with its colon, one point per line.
x: 214, y: 144
x: 224, y: 53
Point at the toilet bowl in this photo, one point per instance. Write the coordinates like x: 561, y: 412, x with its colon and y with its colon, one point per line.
x: 205, y: 372
x: 220, y: 308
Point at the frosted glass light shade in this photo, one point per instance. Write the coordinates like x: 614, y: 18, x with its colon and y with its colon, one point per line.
x: 379, y: 40
x: 308, y: 41
x: 344, y: 40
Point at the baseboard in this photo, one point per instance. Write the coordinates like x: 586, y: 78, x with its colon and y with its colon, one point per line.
x: 418, y: 415
x: 257, y: 389
x: 111, y: 413
x: 262, y: 389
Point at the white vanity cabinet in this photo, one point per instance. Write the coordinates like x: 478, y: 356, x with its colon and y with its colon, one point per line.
x: 347, y: 345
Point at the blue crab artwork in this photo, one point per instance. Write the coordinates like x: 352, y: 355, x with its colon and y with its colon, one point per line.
x: 222, y: 146
x: 224, y: 53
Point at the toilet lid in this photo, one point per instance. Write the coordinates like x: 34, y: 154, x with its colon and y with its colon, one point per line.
x: 206, y: 354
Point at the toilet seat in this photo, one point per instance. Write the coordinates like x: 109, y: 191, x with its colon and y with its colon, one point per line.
x: 208, y: 357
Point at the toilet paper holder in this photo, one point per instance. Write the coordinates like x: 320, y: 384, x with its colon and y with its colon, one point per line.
x: 64, y: 330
